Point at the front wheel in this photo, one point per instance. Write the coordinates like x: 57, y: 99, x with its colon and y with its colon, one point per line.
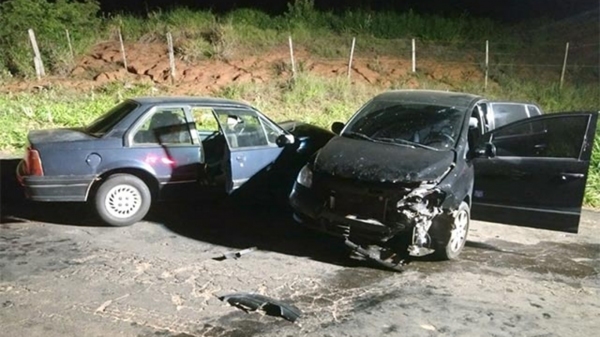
x: 450, y: 236
x: 122, y: 200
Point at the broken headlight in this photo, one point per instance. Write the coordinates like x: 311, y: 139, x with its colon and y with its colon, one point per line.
x: 305, y: 177
x: 424, y: 201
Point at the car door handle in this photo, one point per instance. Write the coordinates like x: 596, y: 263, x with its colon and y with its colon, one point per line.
x: 240, y: 159
x: 571, y: 176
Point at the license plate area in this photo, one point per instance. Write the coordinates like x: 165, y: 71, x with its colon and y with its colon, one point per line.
x: 362, y: 206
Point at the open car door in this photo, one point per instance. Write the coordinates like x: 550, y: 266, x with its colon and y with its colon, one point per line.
x: 251, y: 146
x: 534, y: 171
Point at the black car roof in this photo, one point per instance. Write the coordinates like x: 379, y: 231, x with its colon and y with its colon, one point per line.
x: 189, y: 100
x: 435, y: 97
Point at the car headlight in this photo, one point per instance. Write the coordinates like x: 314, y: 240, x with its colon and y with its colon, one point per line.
x: 305, y: 177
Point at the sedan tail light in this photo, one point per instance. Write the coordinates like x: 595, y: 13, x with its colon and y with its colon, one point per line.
x: 34, y: 163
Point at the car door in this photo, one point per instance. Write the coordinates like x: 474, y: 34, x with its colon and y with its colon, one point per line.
x: 251, y: 144
x: 538, y: 175
x: 162, y: 140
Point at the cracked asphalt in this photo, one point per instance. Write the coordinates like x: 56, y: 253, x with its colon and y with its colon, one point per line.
x: 62, y: 275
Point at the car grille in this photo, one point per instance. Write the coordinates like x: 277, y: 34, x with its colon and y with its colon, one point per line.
x: 368, y: 201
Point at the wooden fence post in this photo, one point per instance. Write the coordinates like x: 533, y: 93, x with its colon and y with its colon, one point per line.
x: 564, y: 67
x: 487, y: 63
x: 37, y: 58
x: 292, y: 57
x: 414, y: 56
x: 171, y: 55
x: 123, y: 49
x: 351, y: 56
x: 70, y: 45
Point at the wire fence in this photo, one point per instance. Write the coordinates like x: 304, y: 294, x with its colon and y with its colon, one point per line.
x: 571, y: 62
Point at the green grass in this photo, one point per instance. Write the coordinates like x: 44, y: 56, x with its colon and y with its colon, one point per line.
x: 312, y: 99
x: 203, y: 35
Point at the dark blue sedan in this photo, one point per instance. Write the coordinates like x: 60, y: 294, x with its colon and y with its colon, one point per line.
x: 153, y: 148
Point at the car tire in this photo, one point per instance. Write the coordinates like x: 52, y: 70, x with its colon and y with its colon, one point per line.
x: 450, y: 236
x: 122, y: 200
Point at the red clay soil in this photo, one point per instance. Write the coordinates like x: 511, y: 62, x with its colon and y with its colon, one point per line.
x: 149, y: 62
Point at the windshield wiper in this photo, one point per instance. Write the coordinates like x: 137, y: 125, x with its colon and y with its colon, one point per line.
x: 353, y: 134
x: 400, y: 141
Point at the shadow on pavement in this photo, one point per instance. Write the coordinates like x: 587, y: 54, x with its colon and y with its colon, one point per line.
x: 241, y: 224
x: 235, y: 223
x: 10, y: 190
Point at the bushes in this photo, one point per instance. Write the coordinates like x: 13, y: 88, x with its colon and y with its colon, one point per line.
x: 49, y: 21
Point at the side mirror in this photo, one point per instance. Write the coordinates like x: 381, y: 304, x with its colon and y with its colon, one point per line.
x: 337, y: 127
x: 285, y: 139
x: 473, y: 123
x: 487, y: 150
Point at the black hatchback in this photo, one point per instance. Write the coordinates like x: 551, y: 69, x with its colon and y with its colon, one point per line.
x: 412, y: 167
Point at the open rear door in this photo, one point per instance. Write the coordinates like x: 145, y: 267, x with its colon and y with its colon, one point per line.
x: 538, y: 175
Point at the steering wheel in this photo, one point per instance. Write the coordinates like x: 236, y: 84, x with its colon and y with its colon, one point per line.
x: 239, y: 128
x: 438, y: 137
x: 212, y: 135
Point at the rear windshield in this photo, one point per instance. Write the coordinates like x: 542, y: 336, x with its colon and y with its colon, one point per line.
x: 108, y: 120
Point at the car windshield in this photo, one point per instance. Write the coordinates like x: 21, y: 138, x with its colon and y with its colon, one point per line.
x: 108, y: 120
x: 409, y: 124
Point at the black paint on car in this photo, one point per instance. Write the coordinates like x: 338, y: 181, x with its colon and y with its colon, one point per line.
x: 411, y: 167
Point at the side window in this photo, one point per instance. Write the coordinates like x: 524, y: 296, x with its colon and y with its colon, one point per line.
x: 205, y: 122
x: 559, y: 137
x: 533, y: 110
x: 242, y: 128
x: 164, y: 126
x: 508, y: 113
x: 272, y: 131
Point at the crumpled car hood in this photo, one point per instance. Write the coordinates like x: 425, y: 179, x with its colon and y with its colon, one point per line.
x: 379, y: 162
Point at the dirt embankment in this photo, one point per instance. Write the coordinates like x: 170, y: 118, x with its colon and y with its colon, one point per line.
x: 149, y: 62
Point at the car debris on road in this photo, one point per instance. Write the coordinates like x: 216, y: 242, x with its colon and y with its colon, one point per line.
x: 253, y: 302
x: 234, y: 255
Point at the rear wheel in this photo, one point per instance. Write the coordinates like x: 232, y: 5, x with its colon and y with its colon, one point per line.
x: 122, y: 200
x: 450, y: 236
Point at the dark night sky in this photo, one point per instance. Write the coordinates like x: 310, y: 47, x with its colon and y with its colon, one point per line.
x: 503, y: 10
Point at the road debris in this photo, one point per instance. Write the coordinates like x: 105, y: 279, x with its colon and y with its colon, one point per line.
x: 252, y: 302
x: 376, y: 256
x: 234, y: 255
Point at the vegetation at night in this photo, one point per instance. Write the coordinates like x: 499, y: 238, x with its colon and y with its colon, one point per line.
x: 204, y: 35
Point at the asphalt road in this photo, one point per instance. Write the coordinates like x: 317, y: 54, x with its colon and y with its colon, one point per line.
x: 62, y: 275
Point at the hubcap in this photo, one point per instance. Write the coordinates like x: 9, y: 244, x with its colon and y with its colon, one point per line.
x: 123, y: 201
x: 459, y: 231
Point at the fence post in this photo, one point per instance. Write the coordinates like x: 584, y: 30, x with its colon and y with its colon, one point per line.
x: 564, y: 67
x: 70, y: 45
x: 122, y: 49
x: 292, y: 57
x: 351, y: 56
x: 414, y: 57
x: 37, y: 58
x: 487, y: 63
x: 171, y: 55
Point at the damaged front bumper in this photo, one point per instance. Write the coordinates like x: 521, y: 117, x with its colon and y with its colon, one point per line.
x: 372, y: 219
x: 321, y: 214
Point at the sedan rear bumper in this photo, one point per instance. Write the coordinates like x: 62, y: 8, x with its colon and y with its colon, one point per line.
x: 54, y: 188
